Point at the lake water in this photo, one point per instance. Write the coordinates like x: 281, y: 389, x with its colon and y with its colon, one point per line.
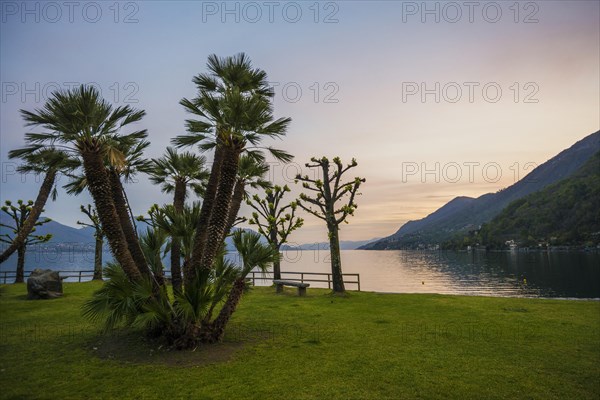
x: 533, y: 274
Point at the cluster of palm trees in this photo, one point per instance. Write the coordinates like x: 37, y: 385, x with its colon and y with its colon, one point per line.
x: 84, y: 137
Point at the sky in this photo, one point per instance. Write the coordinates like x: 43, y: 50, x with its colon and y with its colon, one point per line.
x: 434, y: 99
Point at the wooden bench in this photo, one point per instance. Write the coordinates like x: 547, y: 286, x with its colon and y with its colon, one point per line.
x: 279, y: 284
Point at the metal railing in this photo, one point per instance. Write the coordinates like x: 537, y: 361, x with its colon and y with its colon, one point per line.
x: 303, y: 277
x: 10, y: 276
x: 253, y: 276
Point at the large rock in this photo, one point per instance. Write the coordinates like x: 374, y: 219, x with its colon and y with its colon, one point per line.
x: 44, y: 284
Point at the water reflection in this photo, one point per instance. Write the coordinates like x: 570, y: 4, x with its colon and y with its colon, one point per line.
x: 536, y: 274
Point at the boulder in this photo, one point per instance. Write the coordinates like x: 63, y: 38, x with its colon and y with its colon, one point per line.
x: 44, y: 284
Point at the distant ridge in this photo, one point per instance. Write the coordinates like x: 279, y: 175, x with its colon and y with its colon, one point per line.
x: 60, y: 233
x: 566, y: 213
x: 344, y: 245
x: 67, y: 235
x: 464, y: 213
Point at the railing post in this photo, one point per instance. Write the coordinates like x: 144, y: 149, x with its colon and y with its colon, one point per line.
x: 328, y: 281
x: 358, y: 280
x: 302, y: 277
x: 80, y: 276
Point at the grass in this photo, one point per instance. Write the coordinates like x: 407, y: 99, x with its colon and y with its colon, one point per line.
x: 363, y: 346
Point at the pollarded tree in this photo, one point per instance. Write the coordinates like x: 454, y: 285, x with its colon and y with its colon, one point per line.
x: 274, y: 221
x: 98, y: 236
x: 19, y: 215
x: 328, y: 192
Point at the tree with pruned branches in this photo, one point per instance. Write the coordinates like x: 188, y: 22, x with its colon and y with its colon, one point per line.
x: 92, y: 215
x: 328, y: 192
x: 20, y: 214
x: 274, y: 221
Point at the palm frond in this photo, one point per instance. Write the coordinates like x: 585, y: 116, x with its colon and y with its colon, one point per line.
x: 114, y: 303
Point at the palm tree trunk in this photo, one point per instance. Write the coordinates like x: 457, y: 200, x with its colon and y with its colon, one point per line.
x: 128, y: 229
x: 36, y: 211
x: 220, y: 210
x: 20, y: 265
x: 205, y: 213
x: 236, y: 204
x: 98, y: 258
x: 100, y: 188
x: 178, y: 203
x: 235, y: 295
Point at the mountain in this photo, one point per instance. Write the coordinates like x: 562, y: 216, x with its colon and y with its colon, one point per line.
x: 60, y: 233
x: 565, y: 213
x: 344, y: 245
x: 463, y: 213
x: 64, y: 235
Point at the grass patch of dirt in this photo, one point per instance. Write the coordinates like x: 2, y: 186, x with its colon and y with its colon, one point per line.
x: 135, y: 348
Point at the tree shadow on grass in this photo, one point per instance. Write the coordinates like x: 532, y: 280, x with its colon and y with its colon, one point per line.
x: 133, y: 347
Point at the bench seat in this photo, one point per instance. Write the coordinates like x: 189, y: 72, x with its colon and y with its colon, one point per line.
x: 279, y: 284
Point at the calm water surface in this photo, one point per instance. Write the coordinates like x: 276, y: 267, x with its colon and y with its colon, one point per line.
x: 535, y: 274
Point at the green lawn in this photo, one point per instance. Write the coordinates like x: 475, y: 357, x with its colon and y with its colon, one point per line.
x: 364, y: 346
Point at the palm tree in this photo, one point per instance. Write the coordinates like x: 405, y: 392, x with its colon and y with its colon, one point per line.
x: 132, y: 147
x: 235, y: 110
x: 250, y: 174
x: 38, y: 160
x: 79, y: 121
x: 180, y: 226
x: 176, y: 173
x: 253, y: 254
x: 98, y: 235
x: 121, y: 301
x: 152, y: 243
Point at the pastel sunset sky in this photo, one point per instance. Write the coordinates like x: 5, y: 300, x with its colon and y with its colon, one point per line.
x: 434, y: 100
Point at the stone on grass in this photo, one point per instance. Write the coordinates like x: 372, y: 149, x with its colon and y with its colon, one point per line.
x: 44, y: 284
